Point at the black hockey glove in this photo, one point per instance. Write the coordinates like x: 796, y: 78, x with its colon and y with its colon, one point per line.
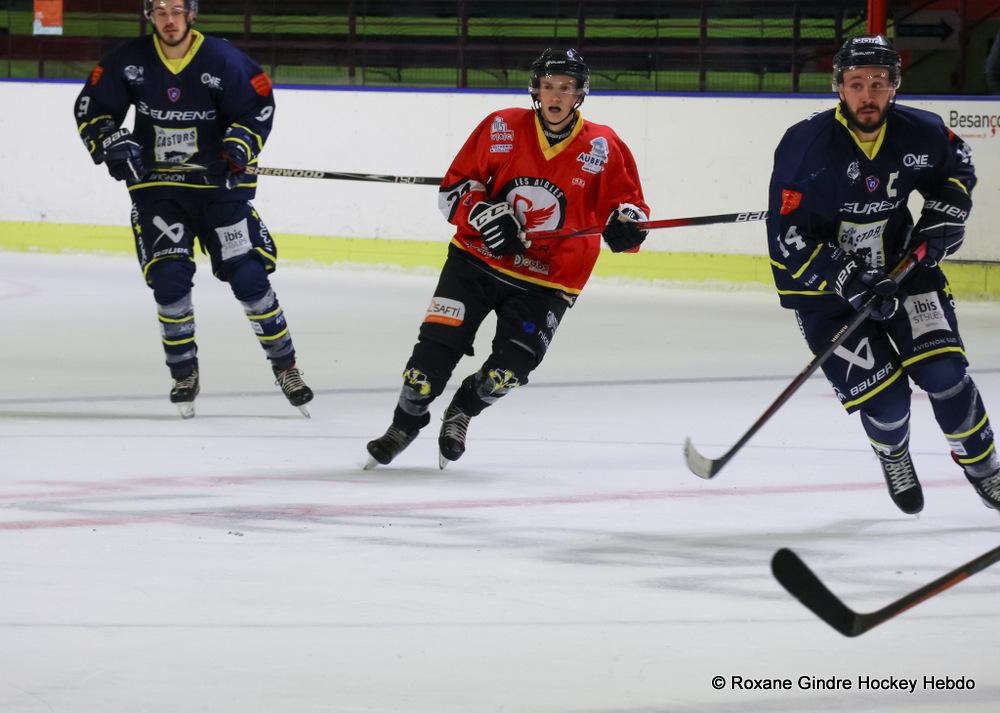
x: 857, y: 283
x: 621, y: 233
x: 236, y: 157
x: 123, y: 156
x: 498, y: 224
x: 942, y: 226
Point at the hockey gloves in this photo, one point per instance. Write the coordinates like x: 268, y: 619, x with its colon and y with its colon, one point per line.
x: 123, y: 156
x: 942, y: 226
x: 857, y: 283
x: 621, y: 233
x: 497, y: 223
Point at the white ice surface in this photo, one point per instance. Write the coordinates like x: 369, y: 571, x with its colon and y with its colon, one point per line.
x: 242, y: 561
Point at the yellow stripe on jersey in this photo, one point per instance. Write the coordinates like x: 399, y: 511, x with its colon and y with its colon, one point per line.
x: 550, y: 152
x: 176, y: 66
x: 869, y: 148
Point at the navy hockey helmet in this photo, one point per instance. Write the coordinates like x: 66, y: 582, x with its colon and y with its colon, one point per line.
x: 190, y: 5
x: 567, y: 62
x: 867, y: 51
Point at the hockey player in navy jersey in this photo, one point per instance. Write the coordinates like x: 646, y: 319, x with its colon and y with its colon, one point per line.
x: 203, y: 111
x: 839, y: 223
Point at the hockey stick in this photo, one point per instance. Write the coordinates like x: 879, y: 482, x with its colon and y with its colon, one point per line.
x: 654, y: 224
x: 301, y: 173
x: 708, y: 468
x: 343, y: 176
x: 795, y: 576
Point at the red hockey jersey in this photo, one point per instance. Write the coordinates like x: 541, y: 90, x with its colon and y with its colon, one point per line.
x: 569, y: 186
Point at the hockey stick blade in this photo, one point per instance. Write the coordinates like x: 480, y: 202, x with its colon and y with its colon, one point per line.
x: 795, y: 576
x: 698, y: 464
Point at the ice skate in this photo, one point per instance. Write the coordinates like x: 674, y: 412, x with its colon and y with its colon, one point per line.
x: 295, y: 390
x: 383, y: 449
x: 901, y: 478
x: 988, y: 489
x: 183, y: 393
x: 451, y: 441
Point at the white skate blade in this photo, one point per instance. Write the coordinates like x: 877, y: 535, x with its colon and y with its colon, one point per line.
x: 186, y: 409
x: 442, y: 461
x: 305, y: 411
x: 371, y: 463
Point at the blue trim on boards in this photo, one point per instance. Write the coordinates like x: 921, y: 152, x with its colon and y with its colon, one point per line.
x: 903, y: 98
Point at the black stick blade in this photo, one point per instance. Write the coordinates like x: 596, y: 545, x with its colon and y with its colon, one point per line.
x: 698, y: 464
x: 795, y: 576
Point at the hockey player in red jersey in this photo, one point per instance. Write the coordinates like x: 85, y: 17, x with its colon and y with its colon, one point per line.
x: 521, y: 171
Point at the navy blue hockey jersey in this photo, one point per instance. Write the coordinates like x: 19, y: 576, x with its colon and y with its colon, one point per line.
x: 185, y: 110
x: 827, y: 198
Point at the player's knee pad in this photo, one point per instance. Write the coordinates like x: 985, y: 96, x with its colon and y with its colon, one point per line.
x: 938, y: 376
x: 247, y: 279
x: 171, y: 280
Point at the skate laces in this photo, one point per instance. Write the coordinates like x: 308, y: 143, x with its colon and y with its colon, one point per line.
x: 456, y: 425
x: 397, y: 436
x: 290, y: 380
x: 901, y: 474
x: 188, y: 382
x: 989, y: 486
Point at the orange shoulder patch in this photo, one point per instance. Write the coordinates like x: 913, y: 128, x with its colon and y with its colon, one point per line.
x: 790, y: 200
x: 261, y: 84
x: 95, y: 74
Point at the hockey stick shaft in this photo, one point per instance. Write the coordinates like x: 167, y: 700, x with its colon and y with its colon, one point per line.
x: 746, y: 217
x: 707, y: 468
x: 343, y: 176
x: 802, y: 583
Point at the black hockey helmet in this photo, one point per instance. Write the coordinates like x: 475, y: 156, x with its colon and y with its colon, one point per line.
x: 867, y: 51
x: 190, y: 5
x: 557, y: 61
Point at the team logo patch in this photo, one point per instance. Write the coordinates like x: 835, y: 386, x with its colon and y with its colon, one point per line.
x: 594, y: 161
x: 790, y: 200
x: 925, y: 313
x: 448, y: 312
x: 501, y: 136
x: 134, y: 75
x: 95, y: 74
x: 854, y: 171
x: 261, y: 84
x: 211, y: 82
x: 871, y: 183
x: 174, y: 145
x: 234, y: 239
x: 173, y: 94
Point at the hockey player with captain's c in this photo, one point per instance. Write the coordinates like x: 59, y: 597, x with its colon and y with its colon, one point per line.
x: 198, y: 101
x: 838, y: 220
x: 521, y: 171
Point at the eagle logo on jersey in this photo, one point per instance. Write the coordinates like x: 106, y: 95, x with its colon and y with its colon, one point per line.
x: 530, y: 218
x: 538, y: 203
x: 854, y: 171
